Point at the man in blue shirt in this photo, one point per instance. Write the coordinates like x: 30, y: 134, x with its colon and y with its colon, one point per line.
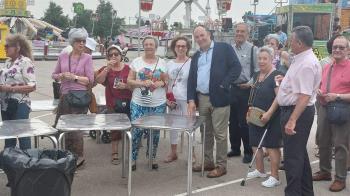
x: 213, y: 68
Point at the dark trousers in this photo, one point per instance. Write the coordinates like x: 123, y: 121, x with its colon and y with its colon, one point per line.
x: 296, y: 159
x: 238, y: 126
x: 22, y: 112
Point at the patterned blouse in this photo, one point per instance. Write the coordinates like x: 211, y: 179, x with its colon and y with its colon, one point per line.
x: 19, y: 72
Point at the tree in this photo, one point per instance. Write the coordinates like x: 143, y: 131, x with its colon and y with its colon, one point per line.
x: 103, y: 25
x: 142, y: 22
x: 193, y: 23
x: 84, y: 19
x: 54, y: 15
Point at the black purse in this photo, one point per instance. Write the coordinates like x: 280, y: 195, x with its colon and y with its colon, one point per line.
x: 122, y: 106
x: 337, y: 111
x: 78, y: 98
x: 56, y: 89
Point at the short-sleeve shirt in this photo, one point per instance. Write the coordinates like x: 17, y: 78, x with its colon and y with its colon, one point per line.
x: 178, y: 74
x: 303, y: 77
x: 340, y: 78
x: 263, y: 94
x: 18, y: 72
x: 112, y: 93
x: 244, y: 53
x: 145, y: 71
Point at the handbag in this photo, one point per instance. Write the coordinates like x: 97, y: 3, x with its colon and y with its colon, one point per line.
x: 78, y: 98
x: 120, y: 105
x: 254, y: 114
x: 56, y: 89
x: 337, y: 111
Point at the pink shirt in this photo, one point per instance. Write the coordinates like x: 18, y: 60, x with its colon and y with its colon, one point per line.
x: 80, y: 67
x: 340, y: 78
x: 303, y: 77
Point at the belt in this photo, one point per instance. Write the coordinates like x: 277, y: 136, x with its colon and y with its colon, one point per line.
x: 205, y: 94
x: 286, y: 108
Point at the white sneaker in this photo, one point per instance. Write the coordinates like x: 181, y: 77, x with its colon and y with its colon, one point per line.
x: 271, y: 182
x: 256, y: 174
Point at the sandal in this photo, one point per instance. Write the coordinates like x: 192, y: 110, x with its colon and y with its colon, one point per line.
x: 170, y: 159
x: 115, y: 159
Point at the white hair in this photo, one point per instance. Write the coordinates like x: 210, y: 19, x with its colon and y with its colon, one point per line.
x: 268, y: 50
x: 77, y: 33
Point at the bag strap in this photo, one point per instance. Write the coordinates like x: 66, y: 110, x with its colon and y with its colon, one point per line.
x: 177, y: 75
x: 252, y: 67
x: 329, y: 79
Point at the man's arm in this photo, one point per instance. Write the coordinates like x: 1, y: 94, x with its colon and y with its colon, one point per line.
x: 234, y: 65
x: 302, y: 102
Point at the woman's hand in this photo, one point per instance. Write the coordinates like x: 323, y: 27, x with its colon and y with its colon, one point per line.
x: 147, y: 83
x: 111, y: 63
x: 121, y: 85
x: 265, y: 117
x: 171, y: 104
x: 158, y: 84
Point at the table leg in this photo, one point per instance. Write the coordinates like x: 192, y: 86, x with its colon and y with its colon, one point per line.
x: 189, y: 159
x: 54, y: 141
x: 36, y: 141
x: 123, y: 154
x: 203, y: 146
x: 150, y: 149
x: 60, y: 138
x: 98, y: 136
x: 128, y: 133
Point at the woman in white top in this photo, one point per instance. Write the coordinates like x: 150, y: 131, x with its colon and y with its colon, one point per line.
x: 148, y: 78
x: 178, y: 71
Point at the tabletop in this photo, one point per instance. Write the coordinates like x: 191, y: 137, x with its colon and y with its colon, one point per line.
x: 87, y: 122
x: 24, y: 128
x: 168, y: 121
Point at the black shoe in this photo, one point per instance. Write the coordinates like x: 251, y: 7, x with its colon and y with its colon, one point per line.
x: 155, y: 166
x: 247, y: 158
x: 233, y: 154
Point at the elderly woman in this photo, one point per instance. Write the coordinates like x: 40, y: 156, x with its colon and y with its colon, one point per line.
x: 281, y: 58
x: 75, y: 71
x: 148, y: 79
x: 263, y: 96
x: 17, y: 81
x: 178, y: 71
x: 118, y: 95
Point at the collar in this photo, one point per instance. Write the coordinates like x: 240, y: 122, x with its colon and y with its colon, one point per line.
x: 210, y: 47
x: 302, y: 55
x: 239, y: 47
x: 342, y: 63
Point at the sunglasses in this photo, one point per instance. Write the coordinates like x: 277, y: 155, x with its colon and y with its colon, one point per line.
x: 113, y: 54
x: 335, y: 47
x: 80, y: 40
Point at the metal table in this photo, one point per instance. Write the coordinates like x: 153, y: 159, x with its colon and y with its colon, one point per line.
x: 10, y: 129
x: 85, y: 122
x: 170, y: 122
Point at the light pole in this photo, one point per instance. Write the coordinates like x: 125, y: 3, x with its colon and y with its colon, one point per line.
x: 94, y: 18
x: 114, y: 14
x: 139, y: 25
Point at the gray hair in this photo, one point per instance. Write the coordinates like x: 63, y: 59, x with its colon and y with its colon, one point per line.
x: 268, y: 50
x: 273, y: 36
x: 245, y: 24
x: 156, y: 42
x: 304, y: 34
x: 77, y: 33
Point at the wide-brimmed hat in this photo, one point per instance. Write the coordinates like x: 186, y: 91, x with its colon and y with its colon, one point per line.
x: 91, y: 43
x: 115, y: 47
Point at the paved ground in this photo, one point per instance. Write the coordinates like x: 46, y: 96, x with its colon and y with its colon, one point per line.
x: 101, y: 178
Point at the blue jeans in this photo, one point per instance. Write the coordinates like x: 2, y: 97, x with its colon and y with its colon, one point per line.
x: 22, y: 112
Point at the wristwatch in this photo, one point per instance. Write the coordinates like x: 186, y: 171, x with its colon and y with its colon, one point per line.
x: 338, y: 98
x: 76, y: 79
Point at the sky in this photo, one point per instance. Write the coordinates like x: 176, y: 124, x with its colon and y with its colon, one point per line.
x: 129, y: 8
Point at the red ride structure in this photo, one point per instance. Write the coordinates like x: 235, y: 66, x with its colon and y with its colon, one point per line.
x: 146, y: 5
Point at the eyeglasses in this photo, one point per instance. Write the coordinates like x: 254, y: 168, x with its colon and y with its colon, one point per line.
x: 181, y: 46
x: 80, y: 40
x: 335, y: 47
x: 8, y: 45
x: 113, y: 54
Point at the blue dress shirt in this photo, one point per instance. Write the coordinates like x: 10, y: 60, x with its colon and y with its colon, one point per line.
x: 203, y: 73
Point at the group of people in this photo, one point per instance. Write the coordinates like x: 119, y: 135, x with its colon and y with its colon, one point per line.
x: 227, y: 84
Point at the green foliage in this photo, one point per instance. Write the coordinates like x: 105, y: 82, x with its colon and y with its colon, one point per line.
x: 54, y: 15
x: 84, y: 19
x: 103, y: 26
